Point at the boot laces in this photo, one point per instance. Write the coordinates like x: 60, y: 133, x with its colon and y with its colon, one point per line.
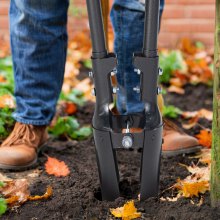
x: 22, y: 134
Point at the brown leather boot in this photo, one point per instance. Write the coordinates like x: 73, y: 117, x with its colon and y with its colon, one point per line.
x: 177, y: 142
x: 20, y: 150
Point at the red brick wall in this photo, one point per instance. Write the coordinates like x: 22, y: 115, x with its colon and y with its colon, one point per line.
x: 4, y: 18
x: 194, y: 19
x: 182, y: 18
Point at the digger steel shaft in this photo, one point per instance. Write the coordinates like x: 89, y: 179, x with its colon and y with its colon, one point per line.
x: 107, y: 127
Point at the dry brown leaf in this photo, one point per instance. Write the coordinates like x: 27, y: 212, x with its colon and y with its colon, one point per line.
x: 126, y: 212
x: 4, y: 178
x: 176, y: 82
x: 204, y: 156
x: 202, y: 113
x: 16, y: 188
x: 176, y: 89
x: 191, y: 123
x: 35, y: 173
x: 170, y: 199
x: 15, y: 199
x: 205, y: 138
x: 56, y: 167
x: 187, y: 46
x: 198, y: 173
x: 7, y: 100
x: 86, y: 88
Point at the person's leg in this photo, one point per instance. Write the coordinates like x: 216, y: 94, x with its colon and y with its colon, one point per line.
x: 38, y: 44
x: 128, y: 23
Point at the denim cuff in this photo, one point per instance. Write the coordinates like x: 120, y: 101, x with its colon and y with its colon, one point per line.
x: 29, y: 122
x: 135, y: 4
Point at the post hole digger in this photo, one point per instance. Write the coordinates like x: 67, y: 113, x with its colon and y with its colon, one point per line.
x: 108, y: 127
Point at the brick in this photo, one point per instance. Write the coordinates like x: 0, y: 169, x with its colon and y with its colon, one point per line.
x: 188, y: 25
x: 181, y: 18
x: 4, y: 7
x: 192, y: 11
x: 4, y: 23
x: 190, y: 2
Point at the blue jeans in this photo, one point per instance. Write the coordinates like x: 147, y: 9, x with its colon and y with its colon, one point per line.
x: 39, y: 43
x: 128, y: 22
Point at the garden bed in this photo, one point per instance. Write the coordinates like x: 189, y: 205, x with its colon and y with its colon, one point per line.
x: 77, y: 196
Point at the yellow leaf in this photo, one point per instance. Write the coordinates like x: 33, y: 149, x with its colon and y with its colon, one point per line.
x: 127, y: 212
x: 189, y: 189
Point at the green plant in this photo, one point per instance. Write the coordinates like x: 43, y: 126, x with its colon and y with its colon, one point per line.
x: 3, y: 206
x: 6, y: 70
x: 200, y: 45
x: 87, y: 63
x: 6, y: 122
x: 171, y: 111
x: 169, y: 62
x: 76, y: 11
x: 74, y: 96
x: 69, y: 127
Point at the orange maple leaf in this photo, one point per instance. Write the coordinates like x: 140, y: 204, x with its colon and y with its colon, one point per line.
x: 205, y: 138
x: 70, y: 108
x: 56, y: 167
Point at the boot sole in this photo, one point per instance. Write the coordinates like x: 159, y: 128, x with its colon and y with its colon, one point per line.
x: 30, y: 165
x: 174, y: 153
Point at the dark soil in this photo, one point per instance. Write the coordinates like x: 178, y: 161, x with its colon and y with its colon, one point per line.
x: 77, y: 196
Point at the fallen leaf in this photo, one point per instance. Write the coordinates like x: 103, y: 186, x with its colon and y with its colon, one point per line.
x: 204, y: 156
x: 56, y: 167
x: 35, y: 173
x: 189, y: 189
x: 198, y: 173
x: 202, y: 113
x: 205, y: 138
x: 176, y: 82
x: 7, y: 100
x: 2, y: 79
x: 14, y: 200
x: 4, y: 178
x: 191, y: 123
x: 201, y: 201
x: 187, y: 46
x: 16, y: 188
x: 70, y: 108
x: 46, y: 195
x: 169, y: 199
x: 127, y: 212
x: 176, y: 89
